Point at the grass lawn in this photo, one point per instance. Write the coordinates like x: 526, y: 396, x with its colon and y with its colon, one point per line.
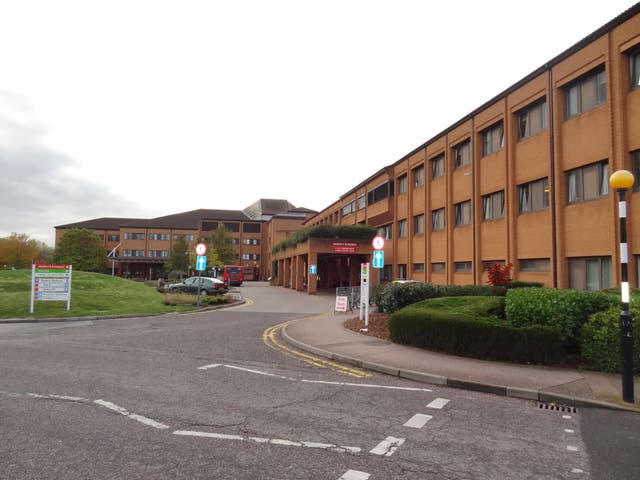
x: 92, y: 294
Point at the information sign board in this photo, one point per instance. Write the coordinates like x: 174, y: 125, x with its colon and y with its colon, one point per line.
x: 50, y: 283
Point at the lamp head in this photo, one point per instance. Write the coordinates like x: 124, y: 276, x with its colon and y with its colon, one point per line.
x: 621, y: 179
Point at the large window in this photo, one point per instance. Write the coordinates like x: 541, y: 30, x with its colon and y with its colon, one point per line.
x: 438, y: 267
x: 438, y: 220
x: 385, y: 232
x: 463, y: 213
x: 492, y: 139
x: 133, y: 236
x: 113, y: 238
x: 158, y: 236
x: 251, y: 227
x: 462, y: 154
x: 534, y: 265
x: 402, y: 271
x: 418, y: 224
x: 533, y: 196
x: 634, y: 69
x: 532, y: 120
x: 380, y: 193
x: 232, y: 226
x: 417, y: 175
x: 588, y: 183
x: 462, y: 267
x: 402, y: 228
x: 349, y: 208
x: 493, y: 206
x: 590, y: 273
x: 585, y: 93
x: 437, y: 166
x: 402, y: 184
x: 362, y: 202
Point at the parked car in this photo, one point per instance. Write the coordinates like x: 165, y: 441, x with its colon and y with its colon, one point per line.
x: 208, y: 285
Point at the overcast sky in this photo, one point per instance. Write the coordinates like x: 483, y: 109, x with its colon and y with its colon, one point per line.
x: 146, y: 108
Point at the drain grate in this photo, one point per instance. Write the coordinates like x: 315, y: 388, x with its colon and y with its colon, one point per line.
x: 556, y: 407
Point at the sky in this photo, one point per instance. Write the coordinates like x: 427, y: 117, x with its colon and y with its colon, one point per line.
x: 144, y: 108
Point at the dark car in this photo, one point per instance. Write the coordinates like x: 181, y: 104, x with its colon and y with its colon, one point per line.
x: 208, y: 285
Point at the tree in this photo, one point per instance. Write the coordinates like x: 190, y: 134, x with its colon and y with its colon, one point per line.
x: 83, y: 249
x: 19, y: 251
x: 220, y: 241
x: 499, y: 275
x: 178, y: 261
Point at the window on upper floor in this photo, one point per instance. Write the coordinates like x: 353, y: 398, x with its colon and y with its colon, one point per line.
x: 251, y: 227
x: 635, y: 169
x: 462, y: 154
x: 349, y: 208
x: 590, y: 182
x: 585, y: 93
x: 437, y: 166
x: 463, y: 213
x: 380, y: 193
x: 402, y: 184
x: 462, y: 267
x: 493, y: 205
x: 634, y: 69
x: 417, y: 176
x: 113, y: 238
x: 438, y: 219
x: 533, y: 196
x: 386, y: 231
x: 493, y: 139
x: 438, y: 267
x: 402, y: 228
x: 418, y: 224
x: 532, y: 119
x: 534, y: 265
x: 133, y: 236
x: 232, y: 226
x: 362, y: 202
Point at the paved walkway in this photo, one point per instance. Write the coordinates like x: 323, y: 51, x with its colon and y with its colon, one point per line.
x: 325, y: 335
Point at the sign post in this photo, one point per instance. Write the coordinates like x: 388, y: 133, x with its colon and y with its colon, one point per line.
x: 50, y: 283
x: 364, y: 295
x: 201, y: 265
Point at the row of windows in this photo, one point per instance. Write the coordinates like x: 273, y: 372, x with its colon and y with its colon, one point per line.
x: 250, y: 256
x: 248, y: 227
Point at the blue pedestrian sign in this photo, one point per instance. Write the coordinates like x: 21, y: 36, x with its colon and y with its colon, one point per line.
x: 378, y: 259
x: 201, y: 263
x: 313, y: 269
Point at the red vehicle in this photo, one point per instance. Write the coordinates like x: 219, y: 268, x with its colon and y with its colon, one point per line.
x: 232, y: 275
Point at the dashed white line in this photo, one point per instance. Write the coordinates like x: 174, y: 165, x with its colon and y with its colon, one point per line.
x: 387, y: 446
x: 355, y: 475
x: 566, y: 417
x: 273, y: 441
x: 133, y: 416
x: 438, y: 403
x: 568, y: 430
x: 576, y: 470
x: 56, y: 397
x: 419, y: 420
x: 207, y: 367
x: 571, y: 448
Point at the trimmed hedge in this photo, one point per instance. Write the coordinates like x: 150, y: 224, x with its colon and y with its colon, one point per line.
x: 394, y: 296
x: 364, y: 232
x: 566, y: 310
x: 601, y: 346
x: 470, y: 333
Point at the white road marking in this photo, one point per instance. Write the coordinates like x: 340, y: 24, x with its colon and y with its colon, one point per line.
x: 387, y: 447
x: 272, y: 441
x: 57, y: 397
x: 566, y: 417
x: 355, y: 475
x: 266, y: 374
x: 207, y: 367
x: 438, y: 403
x: 568, y: 430
x: 133, y: 416
x: 576, y: 470
x: 419, y: 420
x: 571, y: 448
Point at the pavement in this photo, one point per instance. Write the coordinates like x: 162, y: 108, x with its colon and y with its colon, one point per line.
x: 325, y: 335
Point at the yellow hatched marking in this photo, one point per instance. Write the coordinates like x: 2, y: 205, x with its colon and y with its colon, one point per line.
x: 269, y: 339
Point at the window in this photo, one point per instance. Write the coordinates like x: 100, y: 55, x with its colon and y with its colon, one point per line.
x: 418, y: 224
x: 417, y: 175
x: 493, y: 206
x: 418, y: 267
x: 532, y: 120
x: 462, y: 154
x: 362, y: 202
x: 113, y: 238
x: 208, y: 226
x: 492, y: 139
x: 635, y: 169
x: 585, y: 94
x: 251, y: 227
x: 534, y: 265
x: 487, y: 264
x: 349, y: 208
x: 634, y: 70
x: 463, y: 213
x: 158, y: 253
x: 385, y: 273
x: 250, y: 256
x: 437, y: 166
x: 462, y: 267
x: 385, y: 232
x: 533, y: 196
x: 133, y: 236
x: 590, y: 273
x: 250, y: 241
x: 402, y: 271
x: 188, y: 238
x: 438, y: 220
x: 232, y: 226
x: 438, y: 267
x: 402, y: 184
x: 586, y: 183
x: 402, y: 228
x: 158, y: 236
x: 380, y: 193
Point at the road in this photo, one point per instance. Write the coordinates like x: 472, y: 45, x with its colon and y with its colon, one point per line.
x: 218, y: 395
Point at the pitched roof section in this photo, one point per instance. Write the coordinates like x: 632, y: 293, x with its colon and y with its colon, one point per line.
x: 267, y: 208
x: 106, y: 223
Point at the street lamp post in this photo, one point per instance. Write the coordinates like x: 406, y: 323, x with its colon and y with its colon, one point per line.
x: 622, y: 180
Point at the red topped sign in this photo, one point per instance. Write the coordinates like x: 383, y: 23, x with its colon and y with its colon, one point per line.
x: 378, y: 242
x: 344, y: 247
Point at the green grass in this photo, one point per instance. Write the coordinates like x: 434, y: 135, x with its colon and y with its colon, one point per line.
x: 465, y: 307
x: 92, y: 294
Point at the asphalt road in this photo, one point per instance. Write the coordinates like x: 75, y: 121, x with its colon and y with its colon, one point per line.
x: 218, y: 395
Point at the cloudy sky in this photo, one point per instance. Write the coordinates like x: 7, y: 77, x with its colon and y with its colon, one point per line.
x: 143, y: 108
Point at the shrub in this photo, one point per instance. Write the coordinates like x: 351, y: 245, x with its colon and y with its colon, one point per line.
x: 521, y: 284
x: 566, y: 310
x: 474, y: 332
x: 499, y: 275
x: 601, y: 348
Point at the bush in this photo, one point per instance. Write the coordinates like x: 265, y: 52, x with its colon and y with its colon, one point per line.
x: 521, y: 284
x: 601, y: 348
x: 473, y: 331
x: 566, y: 310
x: 187, y: 299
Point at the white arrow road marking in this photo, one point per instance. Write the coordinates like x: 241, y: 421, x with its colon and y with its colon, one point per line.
x: 387, y: 446
x: 133, y: 416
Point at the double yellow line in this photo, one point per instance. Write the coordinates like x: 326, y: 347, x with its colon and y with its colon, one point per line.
x: 269, y: 337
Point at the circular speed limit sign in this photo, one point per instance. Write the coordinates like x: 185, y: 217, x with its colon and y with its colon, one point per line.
x: 378, y: 243
x: 201, y: 249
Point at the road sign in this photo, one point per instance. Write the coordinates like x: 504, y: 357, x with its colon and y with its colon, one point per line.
x: 201, y: 263
x: 378, y: 259
x: 50, y: 283
x: 313, y: 269
x: 378, y: 242
x: 201, y: 249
